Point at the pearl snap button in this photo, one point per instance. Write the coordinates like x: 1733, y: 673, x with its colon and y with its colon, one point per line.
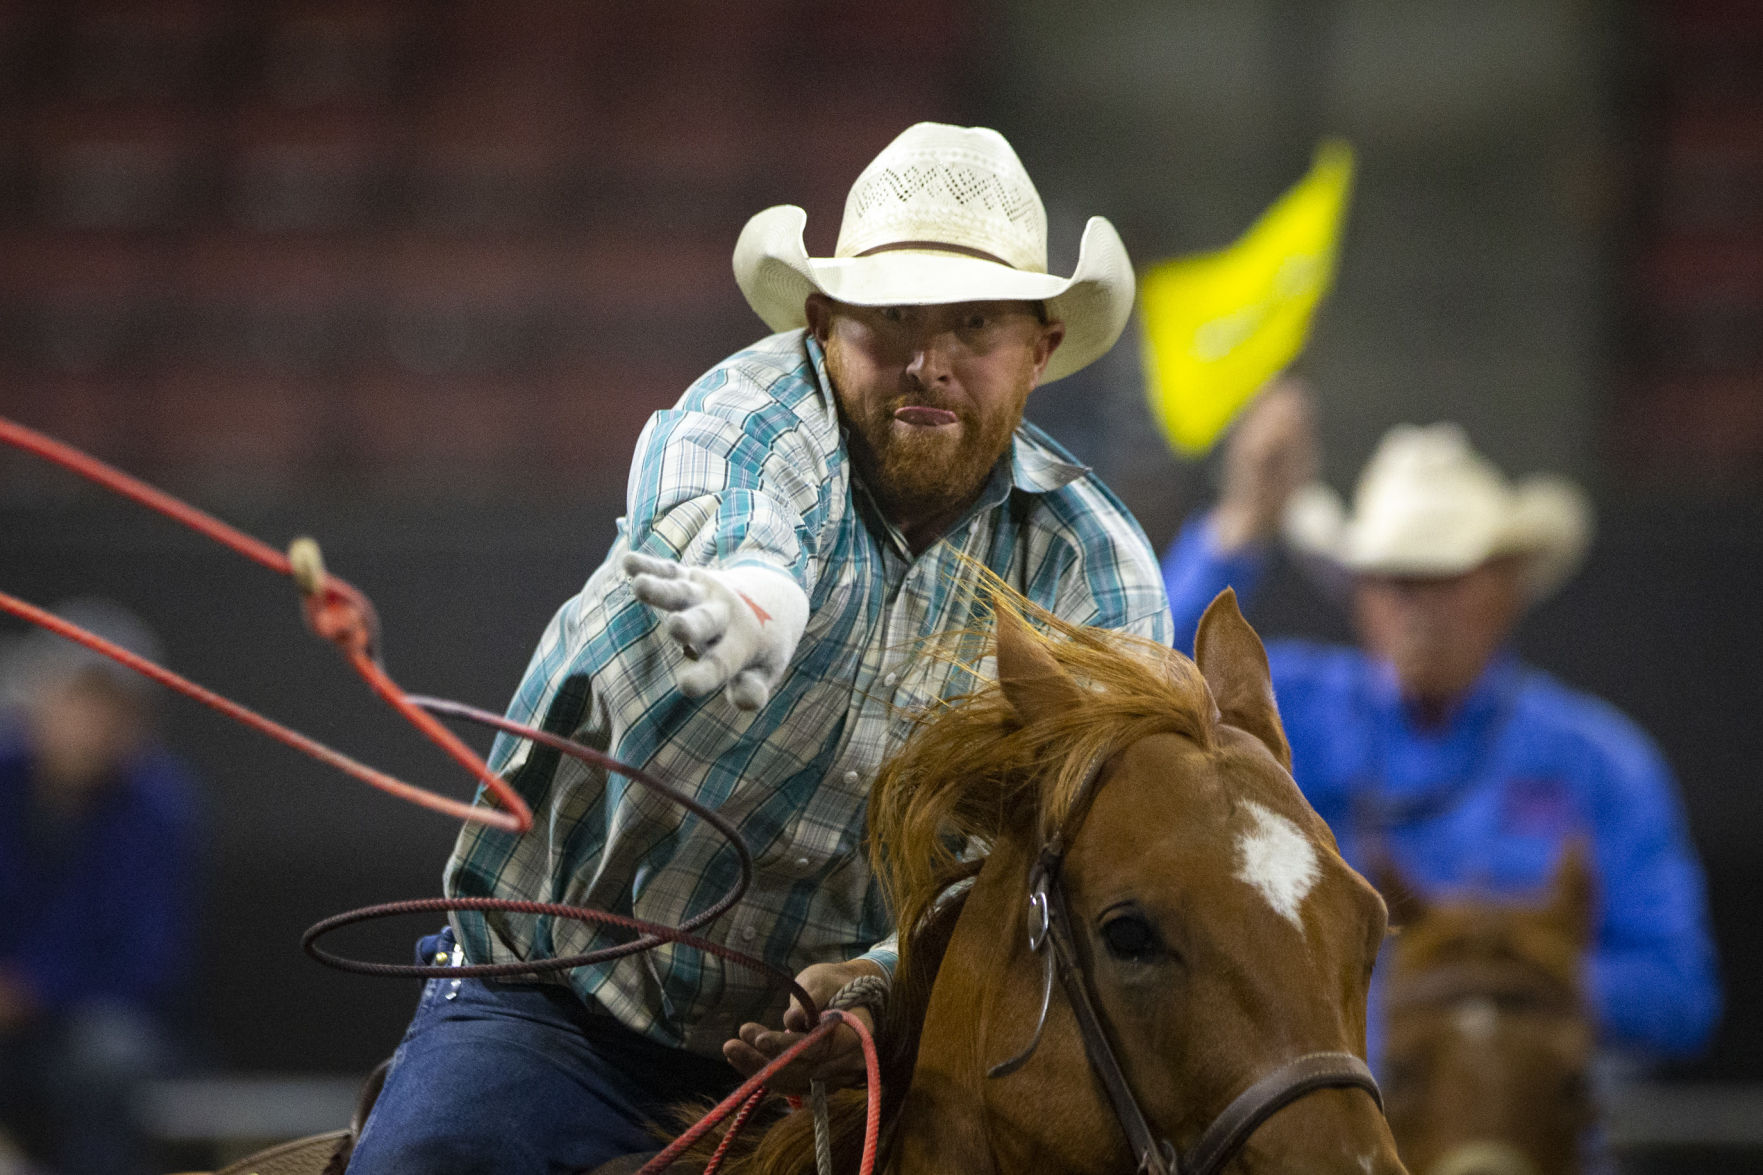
x: 891, y: 679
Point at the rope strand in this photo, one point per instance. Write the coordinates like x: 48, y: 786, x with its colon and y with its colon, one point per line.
x: 334, y: 609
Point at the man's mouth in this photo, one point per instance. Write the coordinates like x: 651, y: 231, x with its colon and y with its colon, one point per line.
x: 924, y: 416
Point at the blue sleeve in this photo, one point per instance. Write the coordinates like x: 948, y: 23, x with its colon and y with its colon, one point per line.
x: 1195, y: 571
x: 1652, y: 972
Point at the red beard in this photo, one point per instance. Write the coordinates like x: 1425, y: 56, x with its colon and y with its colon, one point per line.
x: 916, y: 471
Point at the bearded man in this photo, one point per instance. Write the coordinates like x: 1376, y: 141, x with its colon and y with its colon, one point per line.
x: 811, y: 511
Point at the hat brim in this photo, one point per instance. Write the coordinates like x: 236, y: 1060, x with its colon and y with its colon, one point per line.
x: 1550, y: 521
x: 776, y: 275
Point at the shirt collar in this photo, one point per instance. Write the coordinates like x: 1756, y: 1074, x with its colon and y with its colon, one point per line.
x: 1037, y: 467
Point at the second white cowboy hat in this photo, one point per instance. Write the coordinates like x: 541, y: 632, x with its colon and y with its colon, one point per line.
x: 943, y: 214
x: 1429, y: 505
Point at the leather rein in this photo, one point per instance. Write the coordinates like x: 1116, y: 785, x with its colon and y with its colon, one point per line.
x: 1050, y: 935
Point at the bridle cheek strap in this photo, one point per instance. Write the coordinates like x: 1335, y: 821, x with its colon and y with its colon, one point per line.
x: 1154, y: 1156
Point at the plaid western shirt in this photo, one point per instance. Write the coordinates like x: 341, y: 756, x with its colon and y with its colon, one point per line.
x: 751, y: 467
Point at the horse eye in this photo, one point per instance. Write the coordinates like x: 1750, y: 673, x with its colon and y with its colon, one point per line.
x: 976, y: 322
x: 1130, y: 937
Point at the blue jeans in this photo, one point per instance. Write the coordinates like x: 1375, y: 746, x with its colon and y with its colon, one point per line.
x: 522, y: 1079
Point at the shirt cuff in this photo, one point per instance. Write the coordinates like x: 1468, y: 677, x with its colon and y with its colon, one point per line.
x: 885, y: 954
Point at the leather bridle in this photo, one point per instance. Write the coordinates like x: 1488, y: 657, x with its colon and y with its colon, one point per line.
x: 1050, y: 936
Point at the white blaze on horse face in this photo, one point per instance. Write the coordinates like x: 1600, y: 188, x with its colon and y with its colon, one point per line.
x: 1477, y: 1019
x: 1275, y: 857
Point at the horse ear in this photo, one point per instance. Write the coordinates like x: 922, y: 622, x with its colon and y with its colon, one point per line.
x: 1032, y: 681
x: 1571, y: 890
x: 1234, y: 664
x: 1407, y: 905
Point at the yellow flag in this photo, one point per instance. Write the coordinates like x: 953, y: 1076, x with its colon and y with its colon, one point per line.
x: 1217, y: 326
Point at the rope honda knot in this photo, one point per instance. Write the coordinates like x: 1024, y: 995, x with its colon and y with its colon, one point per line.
x: 332, y: 608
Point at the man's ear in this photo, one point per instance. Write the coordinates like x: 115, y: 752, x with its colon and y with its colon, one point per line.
x: 1051, y: 336
x: 819, y: 310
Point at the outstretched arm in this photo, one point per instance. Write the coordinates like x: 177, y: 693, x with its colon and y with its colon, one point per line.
x: 1270, y: 453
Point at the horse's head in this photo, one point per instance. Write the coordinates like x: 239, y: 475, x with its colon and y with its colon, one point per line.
x: 1489, y: 1038
x: 1219, y: 932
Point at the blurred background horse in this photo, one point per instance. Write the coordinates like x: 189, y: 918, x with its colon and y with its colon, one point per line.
x: 1488, y: 1037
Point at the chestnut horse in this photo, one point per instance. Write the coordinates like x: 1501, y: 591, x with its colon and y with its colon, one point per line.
x: 1216, y: 940
x: 1488, y: 1034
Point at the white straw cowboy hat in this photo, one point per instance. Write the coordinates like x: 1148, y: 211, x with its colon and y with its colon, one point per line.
x: 1429, y: 505
x: 943, y: 214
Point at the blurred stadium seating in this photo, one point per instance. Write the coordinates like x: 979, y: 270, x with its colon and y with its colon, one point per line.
x: 1694, y: 399
x: 262, y: 247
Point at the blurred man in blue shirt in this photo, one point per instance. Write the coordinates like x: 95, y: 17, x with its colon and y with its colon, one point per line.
x: 1431, y: 744
x: 98, y: 840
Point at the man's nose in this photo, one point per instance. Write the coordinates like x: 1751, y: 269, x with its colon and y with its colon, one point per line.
x: 930, y: 357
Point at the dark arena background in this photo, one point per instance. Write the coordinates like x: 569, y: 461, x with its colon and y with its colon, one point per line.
x: 409, y: 277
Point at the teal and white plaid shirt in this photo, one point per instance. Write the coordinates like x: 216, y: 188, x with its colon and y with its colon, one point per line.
x: 751, y: 467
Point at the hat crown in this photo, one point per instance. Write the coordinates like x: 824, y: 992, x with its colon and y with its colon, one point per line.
x: 1434, y: 463
x: 41, y: 658
x: 1427, y: 501
x: 937, y: 184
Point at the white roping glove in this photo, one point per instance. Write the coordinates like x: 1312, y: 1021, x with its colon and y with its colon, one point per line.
x: 738, y: 625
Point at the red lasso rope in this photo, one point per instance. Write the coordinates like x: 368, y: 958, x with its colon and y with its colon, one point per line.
x: 340, y: 613
x: 755, y: 1085
x: 335, y: 610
